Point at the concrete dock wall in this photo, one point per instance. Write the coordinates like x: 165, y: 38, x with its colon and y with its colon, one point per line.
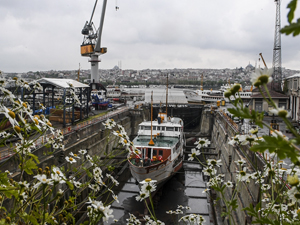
x: 222, y: 130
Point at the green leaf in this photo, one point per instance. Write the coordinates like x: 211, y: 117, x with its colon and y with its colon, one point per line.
x: 71, y: 186
x: 292, y: 6
x: 293, y: 28
x: 32, y: 219
x: 36, y: 159
x: 279, y: 145
x: 263, y: 220
x: 29, y: 166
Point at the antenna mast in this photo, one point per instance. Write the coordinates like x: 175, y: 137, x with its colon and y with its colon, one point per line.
x: 277, y: 73
x: 167, y: 95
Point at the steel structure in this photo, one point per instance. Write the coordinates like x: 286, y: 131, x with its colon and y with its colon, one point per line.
x: 277, y: 73
x: 91, y: 45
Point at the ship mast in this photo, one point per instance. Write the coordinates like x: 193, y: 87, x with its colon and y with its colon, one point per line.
x: 167, y: 96
x: 151, y: 142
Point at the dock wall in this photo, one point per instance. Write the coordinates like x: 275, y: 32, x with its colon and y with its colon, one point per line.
x: 222, y: 130
x: 93, y: 137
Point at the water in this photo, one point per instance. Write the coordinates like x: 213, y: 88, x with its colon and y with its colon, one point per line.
x: 185, y: 188
x: 175, y: 95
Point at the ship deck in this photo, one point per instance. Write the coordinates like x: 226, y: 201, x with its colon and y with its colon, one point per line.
x: 160, y: 141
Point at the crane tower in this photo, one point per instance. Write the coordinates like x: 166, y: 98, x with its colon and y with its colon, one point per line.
x: 277, y: 73
x: 91, y: 45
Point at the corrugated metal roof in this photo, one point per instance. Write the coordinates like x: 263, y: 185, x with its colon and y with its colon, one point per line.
x: 293, y: 76
x: 62, y: 83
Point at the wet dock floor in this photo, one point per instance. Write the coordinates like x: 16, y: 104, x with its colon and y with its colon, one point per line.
x: 185, y: 188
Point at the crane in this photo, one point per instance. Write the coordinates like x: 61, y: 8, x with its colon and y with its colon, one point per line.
x: 201, y: 82
x: 91, y: 45
x: 263, y: 60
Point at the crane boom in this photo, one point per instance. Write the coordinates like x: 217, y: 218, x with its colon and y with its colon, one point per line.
x: 98, y: 43
x: 263, y: 60
x: 91, y: 45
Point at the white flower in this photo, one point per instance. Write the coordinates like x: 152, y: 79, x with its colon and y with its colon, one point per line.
x: 115, y: 197
x: 213, y: 162
x: 242, y: 175
x: 115, y: 182
x: 109, y: 124
x: 56, y: 178
x: 202, y: 142
x: 240, y: 162
x: 148, y: 185
x: 89, y: 158
x: 254, y: 131
x: 209, y: 171
x: 277, y: 133
x: 261, y: 76
x: 142, y: 196
x: 70, y: 159
x: 229, y: 184
x: 280, y: 112
x: 206, y: 190
x: 265, y: 187
x: 94, y: 187
x: 77, y: 184
x: 42, y: 178
x: 74, y: 155
x: 97, y: 172
x: 82, y: 151
x: 24, y: 184
x: 193, y: 154
x: 57, y: 171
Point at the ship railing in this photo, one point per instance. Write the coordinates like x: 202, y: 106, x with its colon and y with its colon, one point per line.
x: 157, y: 165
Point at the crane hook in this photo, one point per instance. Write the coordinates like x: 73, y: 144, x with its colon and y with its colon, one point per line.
x: 117, y: 7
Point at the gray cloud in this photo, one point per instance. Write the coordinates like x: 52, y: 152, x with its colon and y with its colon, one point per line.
x: 44, y: 35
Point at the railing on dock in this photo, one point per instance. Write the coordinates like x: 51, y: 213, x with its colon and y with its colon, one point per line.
x: 232, y: 129
x: 7, y: 152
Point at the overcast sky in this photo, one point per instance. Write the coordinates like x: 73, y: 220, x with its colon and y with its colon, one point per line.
x: 40, y: 35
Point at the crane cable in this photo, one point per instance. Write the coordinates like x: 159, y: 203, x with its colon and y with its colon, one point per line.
x: 117, y: 7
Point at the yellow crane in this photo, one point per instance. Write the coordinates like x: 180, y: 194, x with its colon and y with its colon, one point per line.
x: 263, y: 60
x: 201, y: 82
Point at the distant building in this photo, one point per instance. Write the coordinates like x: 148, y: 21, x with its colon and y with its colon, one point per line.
x: 249, y: 67
x: 292, y: 88
x: 259, y: 104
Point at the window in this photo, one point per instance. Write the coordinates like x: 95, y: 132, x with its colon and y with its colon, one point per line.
x: 154, y: 127
x: 163, y: 128
x: 170, y: 128
x: 141, y: 127
x: 149, y: 153
x: 176, y: 128
x: 160, y: 152
x: 147, y: 128
x: 154, y: 152
x: 258, y: 105
x: 282, y: 103
x: 295, y: 85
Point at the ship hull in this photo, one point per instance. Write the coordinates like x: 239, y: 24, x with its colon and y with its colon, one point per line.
x: 160, y: 172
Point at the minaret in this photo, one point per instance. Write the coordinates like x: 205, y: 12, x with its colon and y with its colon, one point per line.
x: 277, y: 73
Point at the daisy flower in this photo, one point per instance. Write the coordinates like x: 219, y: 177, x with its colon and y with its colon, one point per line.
x: 202, y: 142
x: 193, y: 154
x: 142, y: 196
x: 82, y: 151
x: 74, y: 155
x: 70, y: 159
x: 261, y: 77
